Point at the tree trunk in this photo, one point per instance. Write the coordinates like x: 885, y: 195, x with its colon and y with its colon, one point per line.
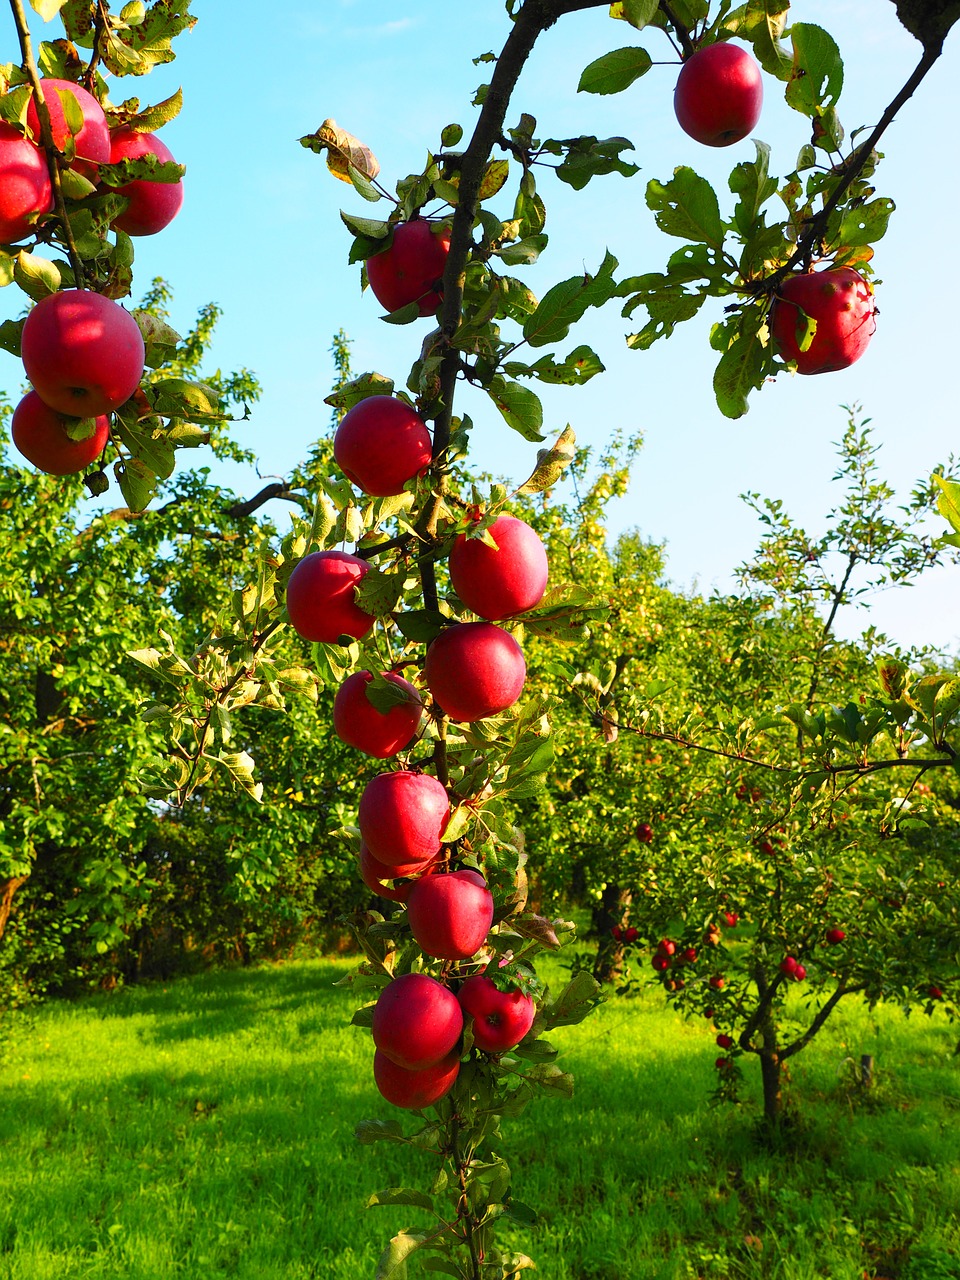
x: 608, y: 912
x: 770, y: 1075
x: 6, y: 899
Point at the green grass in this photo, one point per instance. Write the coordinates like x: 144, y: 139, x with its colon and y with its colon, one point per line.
x: 205, y: 1129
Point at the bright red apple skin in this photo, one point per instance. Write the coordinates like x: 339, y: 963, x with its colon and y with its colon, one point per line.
x: 474, y: 670
x: 500, y: 1018
x: 358, y: 723
x: 841, y: 302
x: 402, y: 817
x: 153, y: 205
x: 450, y: 915
x: 82, y: 352
x: 415, y: 1089
x: 375, y: 874
x: 93, y: 140
x: 496, y: 583
x: 788, y: 965
x: 380, y: 444
x: 835, y: 936
x: 411, y: 269
x: 39, y: 434
x: 25, y: 188
x: 417, y: 1021
x: 319, y: 597
x: 719, y: 95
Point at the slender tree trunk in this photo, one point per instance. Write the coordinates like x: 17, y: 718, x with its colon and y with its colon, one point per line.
x: 7, y: 891
x: 770, y: 1075
x: 606, y: 913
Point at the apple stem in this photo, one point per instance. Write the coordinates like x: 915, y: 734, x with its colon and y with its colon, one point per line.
x: 46, y: 138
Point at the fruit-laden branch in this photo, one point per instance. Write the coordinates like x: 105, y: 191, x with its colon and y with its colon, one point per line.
x: 46, y: 138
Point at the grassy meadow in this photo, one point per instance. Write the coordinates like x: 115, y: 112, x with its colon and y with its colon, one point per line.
x: 204, y: 1128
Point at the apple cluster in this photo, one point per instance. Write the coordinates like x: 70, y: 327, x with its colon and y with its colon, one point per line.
x: 472, y: 670
x: 82, y: 352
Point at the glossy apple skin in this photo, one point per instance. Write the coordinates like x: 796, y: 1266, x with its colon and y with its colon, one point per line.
x: 153, y: 205
x: 410, y: 270
x: 93, y: 140
x: 841, y: 302
x: 25, y: 188
x: 496, y: 583
x: 380, y: 444
x: 358, y: 723
x: 474, y: 670
x: 82, y: 352
x: 415, y: 1089
x: 375, y: 874
x: 450, y: 915
x: 39, y: 434
x: 417, y: 1021
x: 320, y: 600
x: 500, y: 1018
x: 719, y: 95
x: 402, y: 816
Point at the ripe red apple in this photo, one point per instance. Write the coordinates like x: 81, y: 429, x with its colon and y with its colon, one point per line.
x: 417, y: 1021
x: 616, y: 933
x: 358, y: 723
x: 788, y: 965
x: 411, y: 269
x: 320, y: 601
x: 644, y: 832
x: 93, y: 140
x: 666, y: 947
x: 415, y: 1089
x: 25, y: 190
x: 374, y: 875
x: 402, y: 816
x: 497, y: 582
x: 835, y: 936
x: 934, y: 993
x: 841, y: 302
x: 725, y: 1041
x: 152, y: 205
x: 380, y: 444
x: 450, y: 915
x: 500, y: 1018
x: 799, y: 973
x: 82, y: 352
x: 690, y: 955
x: 660, y: 963
x: 731, y: 918
x: 718, y: 982
x: 722, y: 1064
x: 631, y: 934
x: 39, y: 434
x: 474, y: 670
x: 719, y: 94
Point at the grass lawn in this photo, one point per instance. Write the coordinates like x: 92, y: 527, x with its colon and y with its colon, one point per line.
x: 204, y: 1128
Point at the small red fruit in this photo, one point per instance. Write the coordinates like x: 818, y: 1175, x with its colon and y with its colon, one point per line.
x: 644, y: 832
x: 417, y: 1021
x: 722, y: 1064
x: 841, y: 302
x: 934, y: 993
x: 39, y: 434
x: 731, y: 918
x: 411, y: 268
x: 834, y: 936
x: 630, y: 935
x: 616, y: 933
x: 719, y: 94
x: 358, y: 723
x: 497, y: 582
x: 474, y: 670
x: 660, y: 963
x: 320, y: 599
x: 402, y: 817
x: 500, y: 1018
x: 381, y: 444
x: 665, y: 947
x: 415, y: 1089
x: 799, y: 973
x: 152, y: 205
x: 718, y: 982
x: 725, y: 1041
x: 708, y: 1013
x: 450, y: 915
x: 788, y: 965
x: 690, y: 955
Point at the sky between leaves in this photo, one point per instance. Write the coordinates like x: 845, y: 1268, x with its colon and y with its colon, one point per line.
x: 260, y: 235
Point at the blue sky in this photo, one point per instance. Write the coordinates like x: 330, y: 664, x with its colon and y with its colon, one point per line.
x: 260, y: 234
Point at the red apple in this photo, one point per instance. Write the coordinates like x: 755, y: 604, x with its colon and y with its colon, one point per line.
x: 788, y: 965
x: 450, y: 915
x: 718, y: 982
x: 358, y: 723
x: 415, y: 1089
x: 500, y: 1018
x: 411, y: 269
x: 93, y: 140
x: 631, y: 934
x: 417, y: 1021
x: 731, y: 918
x: 722, y: 1064
x: 497, y: 582
x: 38, y: 432
x: 690, y: 955
x: 660, y: 963
x: 665, y: 947
x: 934, y: 993
x: 644, y: 832
x: 799, y: 973
x: 725, y: 1041
x: 719, y: 94
x: 25, y: 190
x: 474, y: 670
x: 835, y: 936
x: 152, y: 205
x: 320, y: 601
x: 380, y: 444
x: 402, y: 817
x: 374, y: 875
x: 82, y: 352
x: 841, y: 302
x: 616, y: 933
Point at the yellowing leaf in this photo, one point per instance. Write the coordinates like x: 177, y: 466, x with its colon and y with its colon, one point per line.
x: 345, y: 151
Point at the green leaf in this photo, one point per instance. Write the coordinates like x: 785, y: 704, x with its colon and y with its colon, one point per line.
x: 369, y: 1131
x: 578, y: 367
x: 867, y: 223
x: 351, y: 393
x: 47, y: 9
x: 137, y: 483
x: 393, y: 1260
x: 574, y: 1002
x: 451, y: 135
x: 38, y: 277
x: 588, y: 157
x: 160, y: 340
x: 240, y: 766
x: 639, y: 13
x: 744, y: 364
x: 8, y: 263
x: 379, y: 592
x: 551, y: 463
x: 148, y: 442
x: 753, y: 184
x: 494, y: 177
x: 400, y: 1195
x: 817, y: 75
x: 153, y: 118
x: 75, y: 186
x: 523, y: 251
x: 551, y: 1079
x: 948, y: 503
x: 180, y: 398
x: 369, y: 228
x: 567, y: 301
x: 615, y: 71
x: 420, y: 625
x: 520, y: 407
x: 403, y: 315
x: 687, y: 207
x: 459, y: 821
